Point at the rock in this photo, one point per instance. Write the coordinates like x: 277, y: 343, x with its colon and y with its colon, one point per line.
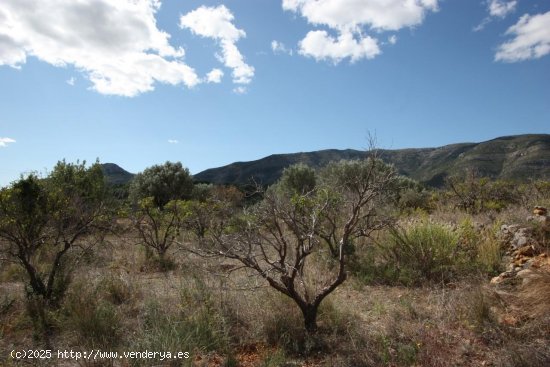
x: 502, y: 277
x: 512, y: 228
x: 527, y: 250
x: 540, y: 210
x: 522, y: 237
x: 541, y: 261
x: 526, y: 275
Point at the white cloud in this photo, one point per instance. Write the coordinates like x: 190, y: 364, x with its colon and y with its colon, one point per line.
x: 531, y: 39
x: 501, y: 8
x: 214, y: 76
x: 71, y: 81
x: 239, y: 90
x: 280, y: 48
x: 350, y: 19
x: 5, y: 141
x: 115, y: 43
x: 173, y: 141
x: 217, y: 23
x: 497, y: 9
x: 320, y: 46
x: 388, y: 15
x: 392, y: 39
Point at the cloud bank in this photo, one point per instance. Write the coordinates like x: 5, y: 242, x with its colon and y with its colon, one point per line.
x: 349, y: 19
x: 115, y: 43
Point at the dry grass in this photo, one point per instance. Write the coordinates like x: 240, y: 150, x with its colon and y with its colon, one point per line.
x: 535, y: 295
x: 237, y: 321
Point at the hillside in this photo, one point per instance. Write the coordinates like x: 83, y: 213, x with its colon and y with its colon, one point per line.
x: 512, y: 157
x: 115, y: 175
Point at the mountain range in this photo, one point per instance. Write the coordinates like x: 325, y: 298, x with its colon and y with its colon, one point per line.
x: 519, y: 157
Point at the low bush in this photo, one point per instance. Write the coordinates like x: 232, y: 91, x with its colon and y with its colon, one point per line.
x: 95, y: 321
x: 426, y: 251
x: 196, y: 326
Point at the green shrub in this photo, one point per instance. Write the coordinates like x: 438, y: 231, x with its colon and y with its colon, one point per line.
x: 426, y: 251
x: 421, y: 252
x: 489, y: 254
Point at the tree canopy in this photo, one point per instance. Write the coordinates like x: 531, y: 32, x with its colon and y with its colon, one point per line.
x: 166, y: 182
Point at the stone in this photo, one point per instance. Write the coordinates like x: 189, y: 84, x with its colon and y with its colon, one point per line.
x: 525, y: 273
x: 527, y: 250
x: 522, y: 237
x: 541, y: 261
x: 540, y: 210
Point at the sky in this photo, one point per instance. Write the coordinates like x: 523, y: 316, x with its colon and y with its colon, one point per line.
x: 208, y: 83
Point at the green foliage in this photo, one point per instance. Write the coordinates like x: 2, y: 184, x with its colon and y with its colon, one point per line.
x: 276, y: 237
x: 412, y: 196
x: 298, y: 179
x: 164, y: 183
x: 426, y: 251
x: 430, y: 252
x: 475, y: 194
x: 202, y: 191
x: 349, y: 175
x: 481, y: 246
x: 159, y: 227
x: 42, y: 219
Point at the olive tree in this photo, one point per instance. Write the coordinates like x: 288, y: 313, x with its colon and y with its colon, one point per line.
x: 159, y: 195
x: 298, y: 178
x: 166, y: 182
x: 297, y: 240
x: 213, y: 207
x: 41, y: 220
x: 157, y: 227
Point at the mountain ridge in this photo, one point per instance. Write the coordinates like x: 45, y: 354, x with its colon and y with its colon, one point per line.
x: 518, y: 157
x: 508, y: 157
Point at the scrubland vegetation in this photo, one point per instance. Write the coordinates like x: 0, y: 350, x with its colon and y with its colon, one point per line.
x: 349, y: 265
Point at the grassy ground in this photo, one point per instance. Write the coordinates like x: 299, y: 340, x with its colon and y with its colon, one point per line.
x: 119, y: 301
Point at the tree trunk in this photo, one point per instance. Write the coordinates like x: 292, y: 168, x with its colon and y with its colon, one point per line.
x: 310, y: 317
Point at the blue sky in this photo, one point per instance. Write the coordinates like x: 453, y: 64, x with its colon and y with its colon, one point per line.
x: 208, y: 83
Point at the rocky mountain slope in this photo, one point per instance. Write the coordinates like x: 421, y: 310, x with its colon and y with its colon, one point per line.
x: 115, y: 175
x: 518, y: 157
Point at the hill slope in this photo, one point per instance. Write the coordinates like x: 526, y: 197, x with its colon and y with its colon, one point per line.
x: 512, y: 157
x: 115, y: 175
